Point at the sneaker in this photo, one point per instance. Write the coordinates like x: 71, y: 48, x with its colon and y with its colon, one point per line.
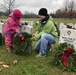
x: 39, y: 55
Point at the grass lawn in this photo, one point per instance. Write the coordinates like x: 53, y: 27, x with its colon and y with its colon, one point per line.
x: 55, y: 19
x: 65, y: 21
x: 29, y: 64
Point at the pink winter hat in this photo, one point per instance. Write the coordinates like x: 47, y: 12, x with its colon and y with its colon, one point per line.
x: 17, y: 14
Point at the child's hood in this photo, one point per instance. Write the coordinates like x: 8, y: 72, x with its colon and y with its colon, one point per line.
x: 11, y: 15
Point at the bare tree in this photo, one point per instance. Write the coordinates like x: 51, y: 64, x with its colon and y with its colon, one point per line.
x: 29, y: 15
x: 65, y: 8
x: 66, y: 5
x: 58, y: 13
x: 9, y: 5
x: 71, y: 8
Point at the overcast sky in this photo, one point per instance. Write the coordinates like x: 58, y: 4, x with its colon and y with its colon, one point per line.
x: 35, y: 5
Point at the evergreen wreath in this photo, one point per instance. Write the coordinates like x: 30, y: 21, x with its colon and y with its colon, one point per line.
x: 65, y: 57
x: 24, y: 44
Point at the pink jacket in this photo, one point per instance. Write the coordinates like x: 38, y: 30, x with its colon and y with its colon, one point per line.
x: 11, y: 26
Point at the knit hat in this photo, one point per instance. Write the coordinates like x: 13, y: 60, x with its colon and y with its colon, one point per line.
x: 43, y: 12
x: 17, y: 14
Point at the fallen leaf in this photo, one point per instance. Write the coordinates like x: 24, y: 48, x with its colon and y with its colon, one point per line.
x: 15, y: 62
x: 0, y: 70
x: 1, y: 63
x: 5, y: 66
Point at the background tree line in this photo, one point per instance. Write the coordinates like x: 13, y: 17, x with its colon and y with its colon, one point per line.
x: 67, y: 11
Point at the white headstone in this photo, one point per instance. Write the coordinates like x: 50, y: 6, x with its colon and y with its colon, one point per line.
x: 56, y: 22
x: 71, y: 24
x: 27, y: 29
x: 68, y: 36
x: 30, y: 23
x: 75, y: 25
x: 1, y: 27
x: 62, y: 26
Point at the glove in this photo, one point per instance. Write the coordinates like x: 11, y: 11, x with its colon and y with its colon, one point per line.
x: 20, y: 24
x: 20, y: 35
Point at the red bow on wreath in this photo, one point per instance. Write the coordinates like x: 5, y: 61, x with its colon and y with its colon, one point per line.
x: 22, y: 40
x: 65, y: 56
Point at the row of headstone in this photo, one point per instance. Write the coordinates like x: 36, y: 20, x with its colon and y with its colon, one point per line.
x: 68, y: 35
x: 25, y: 28
x: 68, y: 25
x: 30, y: 23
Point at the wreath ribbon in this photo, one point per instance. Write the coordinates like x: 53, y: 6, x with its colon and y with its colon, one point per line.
x: 22, y: 40
x: 65, y: 55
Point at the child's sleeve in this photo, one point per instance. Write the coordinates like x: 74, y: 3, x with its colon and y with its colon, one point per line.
x: 20, y: 24
x: 13, y: 26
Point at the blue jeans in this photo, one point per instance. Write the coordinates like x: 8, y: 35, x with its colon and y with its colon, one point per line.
x: 45, y: 43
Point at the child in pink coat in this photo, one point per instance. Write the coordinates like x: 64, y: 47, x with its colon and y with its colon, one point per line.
x: 11, y: 28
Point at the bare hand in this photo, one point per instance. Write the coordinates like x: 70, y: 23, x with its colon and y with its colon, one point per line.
x: 33, y: 35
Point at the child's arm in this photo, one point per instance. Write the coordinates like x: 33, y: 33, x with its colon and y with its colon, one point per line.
x: 12, y: 25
